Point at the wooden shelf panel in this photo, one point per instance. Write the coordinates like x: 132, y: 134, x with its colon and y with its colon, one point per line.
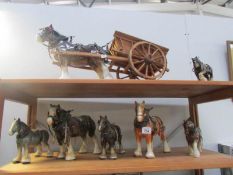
x: 27, y: 89
x: 89, y: 164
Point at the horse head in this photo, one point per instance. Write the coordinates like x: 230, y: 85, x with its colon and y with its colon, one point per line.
x: 57, y: 115
x: 140, y: 111
x: 14, y: 127
x: 196, y: 61
x: 50, y: 36
x: 20, y: 127
x: 53, y: 114
x: 188, y: 125
x: 102, y: 123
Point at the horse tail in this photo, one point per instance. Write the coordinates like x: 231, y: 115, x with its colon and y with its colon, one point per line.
x: 118, y: 133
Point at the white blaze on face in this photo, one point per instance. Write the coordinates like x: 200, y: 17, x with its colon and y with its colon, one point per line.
x: 10, y: 132
x: 140, y: 114
x: 49, y: 121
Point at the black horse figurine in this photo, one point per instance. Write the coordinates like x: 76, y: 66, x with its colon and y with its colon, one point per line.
x: 109, y: 133
x: 193, y: 137
x: 65, y: 127
x: 25, y: 137
x: 57, y: 42
x: 202, y: 71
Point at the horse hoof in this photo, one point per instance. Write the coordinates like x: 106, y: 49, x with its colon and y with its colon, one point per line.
x: 137, y: 154
x: 61, y: 156
x: 70, y: 157
x: 102, y: 157
x: 122, y: 152
x: 82, y: 152
x: 113, y: 157
x: 26, y: 163
x: 150, y: 155
x: 15, y: 161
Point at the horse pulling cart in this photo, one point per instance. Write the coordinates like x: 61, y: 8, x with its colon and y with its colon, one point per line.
x: 129, y: 57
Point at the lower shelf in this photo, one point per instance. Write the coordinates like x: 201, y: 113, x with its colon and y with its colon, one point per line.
x: 90, y: 164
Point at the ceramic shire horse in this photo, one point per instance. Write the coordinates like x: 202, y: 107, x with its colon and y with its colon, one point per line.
x: 25, y: 137
x: 66, y: 127
x: 109, y: 133
x: 147, y: 126
x: 202, y: 71
x: 57, y: 42
x: 193, y: 137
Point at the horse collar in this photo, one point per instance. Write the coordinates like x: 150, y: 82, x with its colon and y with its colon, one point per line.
x: 143, y: 123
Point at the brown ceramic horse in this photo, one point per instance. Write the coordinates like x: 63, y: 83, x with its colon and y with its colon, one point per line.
x: 147, y: 126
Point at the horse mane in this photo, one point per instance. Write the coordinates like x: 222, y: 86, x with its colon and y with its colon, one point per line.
x: 24, y: 129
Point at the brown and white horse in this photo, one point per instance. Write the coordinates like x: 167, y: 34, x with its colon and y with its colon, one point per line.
x: 147, y: 126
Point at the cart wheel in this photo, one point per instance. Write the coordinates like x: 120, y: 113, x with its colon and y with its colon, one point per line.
x: 121, y: 74
x: 147, y: 60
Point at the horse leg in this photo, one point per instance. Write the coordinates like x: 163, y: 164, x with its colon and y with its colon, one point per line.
x: 113, y: 154
x: 105, y: 72
x: 103, y: 153
x: 200, y: 145
x: 38, y: 150
x: 18, y: 157
x: 149, y: 143
x: 196, y: 152
x: 70, y: 153
x: 138, y: 151
x: 190, y: 149
x: 61, y: 154
x: 26, y: 157
x: 64, y: 69
x: 49, y: 151
x: 121, y: 150
x: 96, y: 145
x: 202, y: 76
x: 166, y: 147
x: 83, y: 147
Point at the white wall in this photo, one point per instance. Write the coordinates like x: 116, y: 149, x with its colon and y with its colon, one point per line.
x: 186, y: 36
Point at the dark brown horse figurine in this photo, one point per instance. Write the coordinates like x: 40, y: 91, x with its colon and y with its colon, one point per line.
x: 193, y: 137
x: 67, y: 126
x: 147, y: 126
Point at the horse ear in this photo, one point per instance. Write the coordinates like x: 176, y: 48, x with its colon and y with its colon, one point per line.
x: 105, y: 117
x: 51, y: 26
x: 136, y: 103
x: 18, y: 119
x: 101, y: 117
x: 143, y: 102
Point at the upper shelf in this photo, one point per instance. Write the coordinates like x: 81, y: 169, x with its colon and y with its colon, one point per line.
x: 27, y: 90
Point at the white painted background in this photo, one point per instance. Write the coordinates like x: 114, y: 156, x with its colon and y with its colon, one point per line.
x: 186, y: 36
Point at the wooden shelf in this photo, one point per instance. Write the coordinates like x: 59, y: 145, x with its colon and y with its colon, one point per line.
x: 90, y: 164
x: 27, y: 90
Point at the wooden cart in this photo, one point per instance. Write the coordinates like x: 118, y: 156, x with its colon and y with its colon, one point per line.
x: 131, y: 57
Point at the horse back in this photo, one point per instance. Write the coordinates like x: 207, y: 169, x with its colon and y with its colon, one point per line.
x: 157, y: 123
x: 82, y: 125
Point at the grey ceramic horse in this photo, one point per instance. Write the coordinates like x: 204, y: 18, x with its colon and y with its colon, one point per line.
x: 57, y: 42
x: 26, y: 137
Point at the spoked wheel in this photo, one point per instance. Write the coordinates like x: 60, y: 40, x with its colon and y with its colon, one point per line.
x: 121, y: 73
x: 147, y: 60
